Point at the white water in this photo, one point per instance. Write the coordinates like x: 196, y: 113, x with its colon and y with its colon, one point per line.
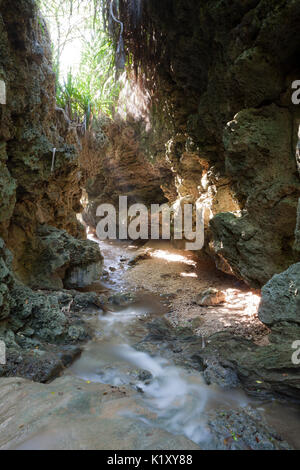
x: 179, y: 399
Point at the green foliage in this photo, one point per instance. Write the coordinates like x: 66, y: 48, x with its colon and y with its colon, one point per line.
x: 69, y: 97
x: 92, y: 88
x: 97, y: 76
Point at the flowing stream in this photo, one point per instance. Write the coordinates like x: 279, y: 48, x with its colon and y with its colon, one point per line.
x: 178, y: 398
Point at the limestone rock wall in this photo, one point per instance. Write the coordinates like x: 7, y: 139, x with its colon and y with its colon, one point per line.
x: 220, y: 77
x: 39, y: 199
x: 31, y: 127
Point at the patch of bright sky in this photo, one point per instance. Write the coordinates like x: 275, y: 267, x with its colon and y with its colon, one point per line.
x: 70, y: 58
x: 71, y: 29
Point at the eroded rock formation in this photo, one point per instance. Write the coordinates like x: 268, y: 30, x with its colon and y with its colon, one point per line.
x: 122, y: 169
x: 220, y: 80
x: 39, y: 196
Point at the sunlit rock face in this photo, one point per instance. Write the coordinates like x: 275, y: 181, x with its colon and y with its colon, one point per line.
x: 36, y: 189
x: 221, y: 77
x: 124, y: 170
x: 31, y: 127
x: 258, y: 157
x: 39, y: 197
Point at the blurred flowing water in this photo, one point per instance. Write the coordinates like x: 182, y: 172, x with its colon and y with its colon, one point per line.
x: 178, y: 398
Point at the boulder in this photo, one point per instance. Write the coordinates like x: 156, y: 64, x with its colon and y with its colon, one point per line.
x: 255, y: 242
x: 281, y: 298
x: 224, y: 377
x: 62, y: 259
x: 264, y: 371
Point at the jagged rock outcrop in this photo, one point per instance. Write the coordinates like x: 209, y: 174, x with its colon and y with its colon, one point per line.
x: 224, y: 74
x: 31, y: 127
x: 43, y: 330
x: 61, y: 260
x: 281, y: 299
x: 259, y: 159
x: 39, y: 198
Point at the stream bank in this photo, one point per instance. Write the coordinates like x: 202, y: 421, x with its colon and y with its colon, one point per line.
x: 137, y: 385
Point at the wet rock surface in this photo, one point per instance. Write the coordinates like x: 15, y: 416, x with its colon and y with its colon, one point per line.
x: 229, y: 361
x: 70, y: 414
x: 39, y: 365
x: 244, y: 429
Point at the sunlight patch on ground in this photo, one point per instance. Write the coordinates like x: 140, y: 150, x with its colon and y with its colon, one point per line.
x: 172, y: 257
x: 248, y: 302
x: 188, y: 275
